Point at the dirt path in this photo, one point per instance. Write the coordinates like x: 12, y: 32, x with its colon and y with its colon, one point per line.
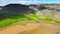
x: 32, y: 28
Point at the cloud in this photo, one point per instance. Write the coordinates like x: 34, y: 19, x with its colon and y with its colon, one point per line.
x: 4, y: 2
x: 23, y: 1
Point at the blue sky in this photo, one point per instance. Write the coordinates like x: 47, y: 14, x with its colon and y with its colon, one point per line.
x: 5, y: 2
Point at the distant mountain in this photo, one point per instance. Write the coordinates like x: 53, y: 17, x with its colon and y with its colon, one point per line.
x: 1, y: 6
x: 19, y: 9
x: 15, y: 9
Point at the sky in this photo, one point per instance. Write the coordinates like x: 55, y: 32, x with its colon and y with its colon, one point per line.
x: 5, y: 2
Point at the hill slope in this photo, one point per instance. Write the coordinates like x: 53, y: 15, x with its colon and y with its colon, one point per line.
x: 32, y: 27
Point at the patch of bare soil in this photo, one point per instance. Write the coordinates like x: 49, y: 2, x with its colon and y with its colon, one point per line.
x: 31, y: 27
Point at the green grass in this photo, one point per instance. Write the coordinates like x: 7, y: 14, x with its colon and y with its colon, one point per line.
x: 27, y: 17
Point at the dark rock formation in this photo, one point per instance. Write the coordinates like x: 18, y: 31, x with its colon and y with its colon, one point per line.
x: 15, y: 9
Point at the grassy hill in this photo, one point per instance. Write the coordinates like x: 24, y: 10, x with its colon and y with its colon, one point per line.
x: 12, y: 17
